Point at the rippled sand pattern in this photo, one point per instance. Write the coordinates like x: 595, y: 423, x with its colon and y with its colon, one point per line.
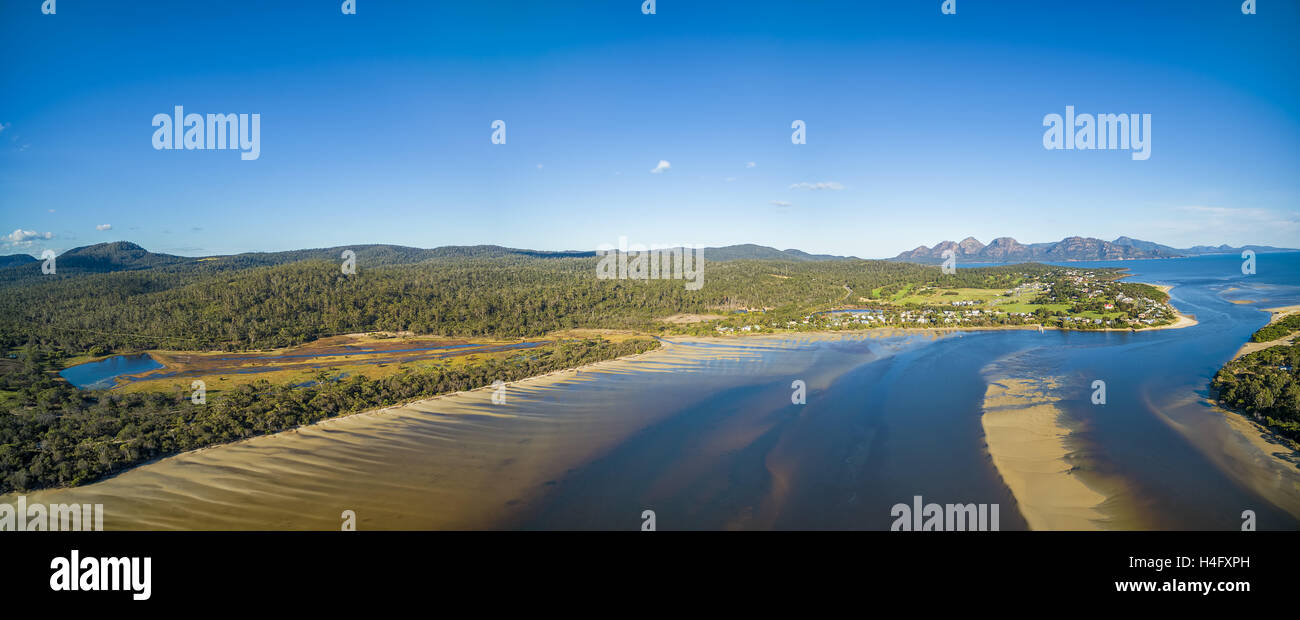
x: 451, y: 462
x: 1029, y: 445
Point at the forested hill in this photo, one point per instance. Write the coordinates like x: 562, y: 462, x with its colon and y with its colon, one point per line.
x: 16, y: 259
x: 126, y: 256
x: 232, y: 303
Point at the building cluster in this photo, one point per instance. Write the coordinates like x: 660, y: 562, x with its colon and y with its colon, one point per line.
x: 1082, y: 288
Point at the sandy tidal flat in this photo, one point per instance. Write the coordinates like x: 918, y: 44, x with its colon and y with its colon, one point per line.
x: 1029, y: 446
x: 457, y: 461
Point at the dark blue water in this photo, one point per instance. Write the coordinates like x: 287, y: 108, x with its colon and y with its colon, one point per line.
x: 882, y: 426
x: 102, y: 375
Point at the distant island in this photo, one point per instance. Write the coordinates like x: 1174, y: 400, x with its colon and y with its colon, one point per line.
x: 1008, y: 250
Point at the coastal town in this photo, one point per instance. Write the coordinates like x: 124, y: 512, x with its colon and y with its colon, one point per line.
x: 1065, y: 298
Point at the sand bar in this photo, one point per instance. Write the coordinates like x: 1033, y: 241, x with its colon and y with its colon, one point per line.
x: 1278, y: 314
x: 1029, y: 444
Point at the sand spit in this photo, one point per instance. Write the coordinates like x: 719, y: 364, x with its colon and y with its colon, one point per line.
x: 1276, y: 474
x: 1254, y: 456
x: 1028, y: 441
x: 1251, y: 453
x: 1278, y: 314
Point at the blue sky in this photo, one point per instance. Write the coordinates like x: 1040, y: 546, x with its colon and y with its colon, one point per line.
x: 376, y: 127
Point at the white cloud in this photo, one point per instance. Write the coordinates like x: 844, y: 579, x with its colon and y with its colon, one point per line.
x: 781, y: 203
x: 663, y: 165
x: 750, y: 164
x: 4, y: 126
x: 104, y: 227
x: 729, y: 179
x: 539, y: 166
x: 25, y: 237
x: 818, y: 186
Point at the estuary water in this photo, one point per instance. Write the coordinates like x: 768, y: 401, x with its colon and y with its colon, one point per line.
x: 706, y: 434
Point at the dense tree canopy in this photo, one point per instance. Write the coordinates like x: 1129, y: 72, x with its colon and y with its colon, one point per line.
x: 201, y: 307
x: 122, y: 298
x: 1277, y: 329
x: 1266, y: 385
x: 54, y: 434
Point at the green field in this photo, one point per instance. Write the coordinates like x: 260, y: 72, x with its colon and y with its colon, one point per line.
x: 1028, y: 307
x: 1101, y: 315
x: 987, y: 298
x: 901, y: 293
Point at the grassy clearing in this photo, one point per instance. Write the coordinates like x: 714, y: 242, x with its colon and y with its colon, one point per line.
x: 1028, y: 307
x: 1101, y: 315
x: 942, y: 296
x: 984, y: 298
x: 901, y: 293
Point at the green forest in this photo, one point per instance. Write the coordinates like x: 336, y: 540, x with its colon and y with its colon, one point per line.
x: 119, y: 298
x: 1278, y: 329
x: 197, y: 306
x: 1264, y: 384
x: 55, y: 434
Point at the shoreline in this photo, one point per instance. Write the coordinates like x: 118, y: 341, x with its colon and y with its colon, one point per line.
x: 1183, y: 320
x: 1279, y: 313
x: 1265, y: 440
x: 489, y: 482
x: 664, y: 345
x: 490, y: 466
x: 552, y: 376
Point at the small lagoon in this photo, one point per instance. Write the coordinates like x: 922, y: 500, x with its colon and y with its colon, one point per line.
x: 102, y: 375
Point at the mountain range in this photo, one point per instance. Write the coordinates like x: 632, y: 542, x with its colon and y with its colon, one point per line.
x: 127, y: 256
x: 1008, y: 250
